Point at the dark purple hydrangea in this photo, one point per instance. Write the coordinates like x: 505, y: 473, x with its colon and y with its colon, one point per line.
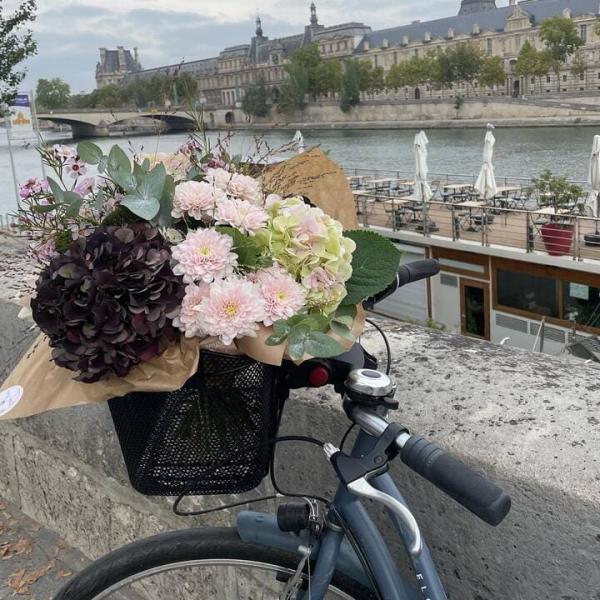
x: 107, y: 303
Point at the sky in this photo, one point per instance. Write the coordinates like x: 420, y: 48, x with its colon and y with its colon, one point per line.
x: 69, y: 32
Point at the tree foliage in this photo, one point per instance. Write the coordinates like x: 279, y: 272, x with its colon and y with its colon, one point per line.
x: 351, y: 82
x: 16, y: 44
x: 53, y: 93
x: 467, y: 60
x: 254, y: 103
x: 492, y: 72
x: 295, y: 89
x: 329, y: 75
x: 578, y: 64
x: 562, y: 39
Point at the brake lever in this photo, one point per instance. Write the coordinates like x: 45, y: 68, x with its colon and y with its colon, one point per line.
x: 363, y: 489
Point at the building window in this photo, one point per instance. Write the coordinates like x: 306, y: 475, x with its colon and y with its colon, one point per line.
x: 533, y: 80
x: 564, y: 77
x: 338, y: 46
x: 581, y: 76
x: 526, y: 292
x: 346, y: 45
x: 547, y: 78
x: 583, y: 33
x: 490, y: 46
x: 518, y: 42
x: 580, y: 304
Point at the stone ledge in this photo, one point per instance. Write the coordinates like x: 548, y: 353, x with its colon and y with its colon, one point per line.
x: 531, y: 422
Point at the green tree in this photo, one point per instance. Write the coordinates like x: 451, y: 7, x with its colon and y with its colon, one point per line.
x: 16, y: 44
x: 254, y: 102
x: 185, y: 88
x: 526, y: 61
x: 467, y: 60
x: 53, y: 93
x: 328, y: 76
x: 446, y: 70
x: 110, y: 96
x: 492, y: 72
x: 396, y: 77
x: 578, y: 64
x: 309, y: 58
x: 542, y: 66
x: 351, y: 81
x: 295, y: 89
x: 562, y: 40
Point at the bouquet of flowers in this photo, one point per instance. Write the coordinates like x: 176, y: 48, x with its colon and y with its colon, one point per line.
x: 191, y: 244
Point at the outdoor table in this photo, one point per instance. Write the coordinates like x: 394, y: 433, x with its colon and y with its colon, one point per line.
x: 394, y: 209
x: 355, y: 180
x: 365, y: 201
x: 456, y: 189
x: 550, y: 210
x: 470, y: 205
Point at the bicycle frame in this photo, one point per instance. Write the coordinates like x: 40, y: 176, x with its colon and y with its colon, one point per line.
x: 334, y: 552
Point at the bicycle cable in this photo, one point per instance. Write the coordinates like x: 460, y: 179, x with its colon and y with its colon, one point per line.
x: 386, y: 342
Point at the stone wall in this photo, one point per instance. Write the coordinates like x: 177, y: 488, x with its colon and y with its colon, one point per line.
x: 531, y: 422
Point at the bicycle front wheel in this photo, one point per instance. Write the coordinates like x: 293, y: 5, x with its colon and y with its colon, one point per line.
x: 198, y: 564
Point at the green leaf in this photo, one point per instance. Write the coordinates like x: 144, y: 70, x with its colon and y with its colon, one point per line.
x: 74, y: 202
x: 145, y: 200
x: 166, y: 203
x: 118, y: 160
x: 281, y: 327
x: 44, y: 208
x: 124, y: 179
x: 89, y: 152
x: 320, y: 345
x: 375, y: 263
x: 103, y: 164
x: 56, y: 190
x: 248, y: 249
x: 297, y: 340
x: 275, y: 340
x: 342, y: 331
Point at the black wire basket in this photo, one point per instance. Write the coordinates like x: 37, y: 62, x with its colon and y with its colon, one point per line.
x: 209, y: 437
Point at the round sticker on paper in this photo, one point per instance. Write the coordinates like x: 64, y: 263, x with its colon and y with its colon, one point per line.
x: 10, y: 398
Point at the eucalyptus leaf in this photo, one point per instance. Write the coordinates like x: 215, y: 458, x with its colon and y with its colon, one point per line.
x: 46, y: 208
x: 248, y: 249
x: 342, y: 331
x: 320, y: 345
x: 297, y: 341
x: 281, y: 327
x: 118, y: 160
x: 103, y: 165
x: 166, y: 203
x: 375, y: 263
x: 56, y: 190
x: 276, y: 340
x: 89, y: 152
x: 124, y: 179
x: 344, y: 320
x: 73, y: 202
x: 144, y: 201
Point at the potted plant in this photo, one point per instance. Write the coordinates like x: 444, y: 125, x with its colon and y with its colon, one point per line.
x: 562, y: 196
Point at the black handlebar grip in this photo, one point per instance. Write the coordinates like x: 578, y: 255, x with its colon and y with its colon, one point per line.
x: 421, y: 269
x: 482, y: 497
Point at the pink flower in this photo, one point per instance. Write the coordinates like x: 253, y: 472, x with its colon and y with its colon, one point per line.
x: 283, y: 297
x: 245, y: 188
x: 263, y: 275
x: 205, y: 255
x: 187, y: 320
x: 233, y: 309
x: 32, y: 187
x: 242, y: 215
x: 63, y: 153
x: 218, y: 178
x: 43, y: 252
x: 190, y: 147
x: 319, y: 279
x: 84, y: 187
x: 75, y: 167
x: 194, y: 198
x: 216, y: 162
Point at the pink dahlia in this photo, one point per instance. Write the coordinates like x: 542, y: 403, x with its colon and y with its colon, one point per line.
x: 245, y: 188
x: 242, y: 215
x: 187, y: 320
x: 218, y: 178
x: 195, y: 198
x: 283, y: 297
x: 204, y: 255
x: 263, y: 275
x: 234, y: 308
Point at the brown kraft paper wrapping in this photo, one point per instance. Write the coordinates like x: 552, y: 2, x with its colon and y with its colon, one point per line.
x: 37, y: 385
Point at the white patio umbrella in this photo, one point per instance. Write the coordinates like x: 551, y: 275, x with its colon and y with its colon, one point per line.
x: 486, y: 182
x: 299, y: 142
x: 593, y: 199
x: 423, y: 192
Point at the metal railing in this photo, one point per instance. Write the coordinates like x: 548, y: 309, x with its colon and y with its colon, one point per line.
x: 531, y: 231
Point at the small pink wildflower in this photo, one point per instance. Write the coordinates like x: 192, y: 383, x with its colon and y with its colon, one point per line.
x: 233, y: 309
x: 187, y: 320
x: 205, y: 255
x: 75, y: 167
x: 84, y: 187
x: 44, y: 252
x: 283, y: 297
x: 242, y: 215
x: 32, y: 187
x: 63, y: 153
x: 195, y: 198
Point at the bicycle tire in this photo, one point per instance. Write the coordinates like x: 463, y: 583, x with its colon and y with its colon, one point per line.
x: 175, y: 550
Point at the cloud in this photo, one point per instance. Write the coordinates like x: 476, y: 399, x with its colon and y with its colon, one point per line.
x: 69, y: 32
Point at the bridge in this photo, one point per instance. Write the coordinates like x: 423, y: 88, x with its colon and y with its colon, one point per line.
x: 98, y: 123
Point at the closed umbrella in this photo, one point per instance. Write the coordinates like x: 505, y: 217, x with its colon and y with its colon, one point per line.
x: 423, y: 192
x: 486, y: 182
x: 594, y: 180
x: 299, y: 142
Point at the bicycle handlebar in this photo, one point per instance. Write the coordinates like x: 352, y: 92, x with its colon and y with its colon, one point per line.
x: 409, y: 273
x: 467, y: 487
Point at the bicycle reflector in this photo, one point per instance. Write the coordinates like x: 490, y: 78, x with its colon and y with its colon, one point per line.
x: 319, y: 376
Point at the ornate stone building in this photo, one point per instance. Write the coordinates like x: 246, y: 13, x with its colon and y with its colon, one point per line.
x: 115, y: 65
x: 498, y: 31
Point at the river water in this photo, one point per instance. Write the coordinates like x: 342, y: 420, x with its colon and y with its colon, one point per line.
x: 520, y: 152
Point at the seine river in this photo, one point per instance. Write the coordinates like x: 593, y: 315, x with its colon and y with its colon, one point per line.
x: 520, y: 152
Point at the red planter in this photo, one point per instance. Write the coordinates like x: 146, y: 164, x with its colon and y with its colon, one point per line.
x: 558, y: 238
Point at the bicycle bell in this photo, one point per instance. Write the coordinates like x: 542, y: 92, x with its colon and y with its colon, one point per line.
x: 370, y: 387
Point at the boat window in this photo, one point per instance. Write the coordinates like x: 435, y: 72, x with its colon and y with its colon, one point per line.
x: 581, y: 304
x: 530, y: 293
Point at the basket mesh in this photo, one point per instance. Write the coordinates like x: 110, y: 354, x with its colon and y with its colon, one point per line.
x: 209, y: 437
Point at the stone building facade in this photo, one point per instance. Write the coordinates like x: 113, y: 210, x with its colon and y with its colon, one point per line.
x: 115, y: 65
x: 498, y: 31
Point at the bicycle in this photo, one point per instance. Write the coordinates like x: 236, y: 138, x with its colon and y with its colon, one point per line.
x: 303, y: 553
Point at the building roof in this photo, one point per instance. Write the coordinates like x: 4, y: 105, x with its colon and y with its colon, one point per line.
x: 475, y: 6
x: 491, y: 20
x: 110, y: 64
x: 287, y: 45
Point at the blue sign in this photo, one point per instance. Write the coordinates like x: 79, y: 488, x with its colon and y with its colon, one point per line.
x: 22, y: 100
